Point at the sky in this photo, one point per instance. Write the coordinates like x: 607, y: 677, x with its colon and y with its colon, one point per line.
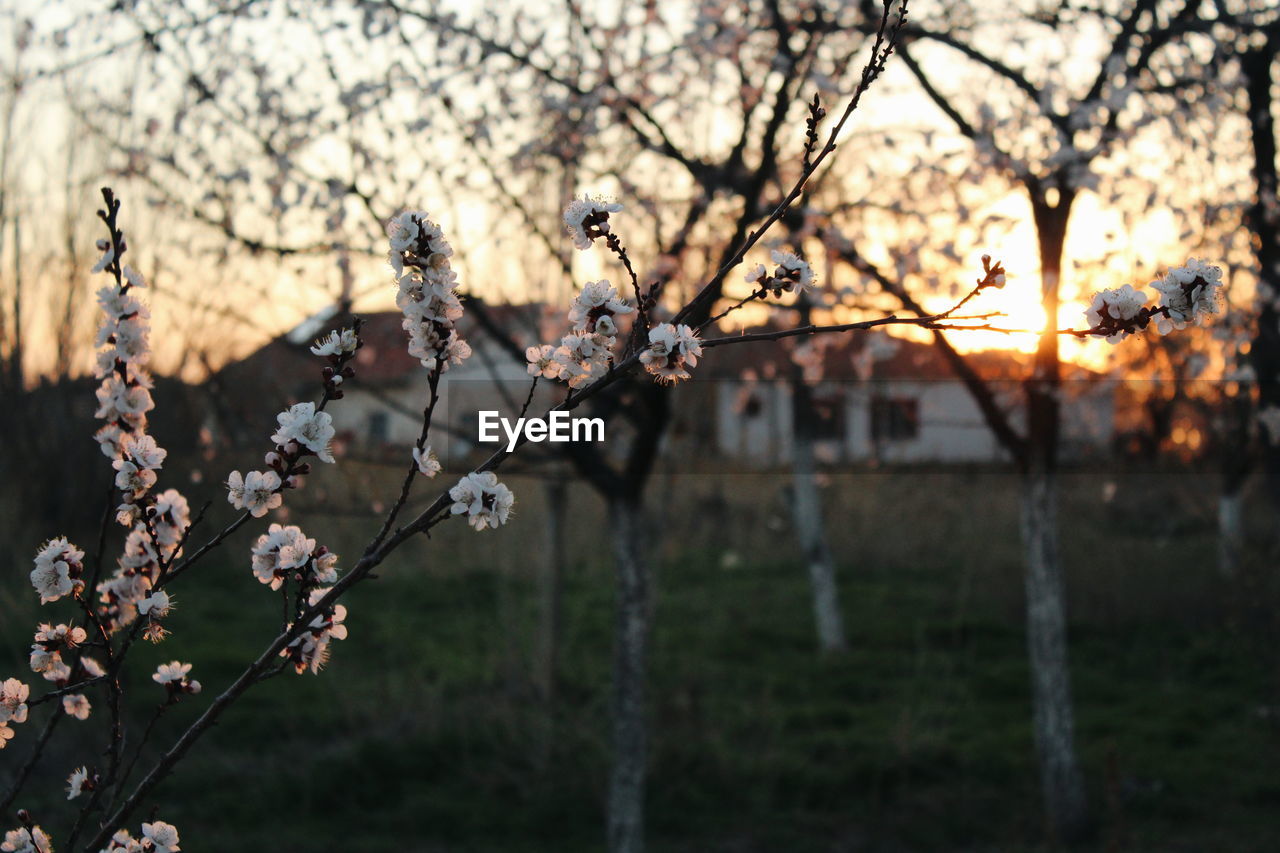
x: 1111, y: 241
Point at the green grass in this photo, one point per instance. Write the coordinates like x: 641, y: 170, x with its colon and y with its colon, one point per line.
x: 421, y: 735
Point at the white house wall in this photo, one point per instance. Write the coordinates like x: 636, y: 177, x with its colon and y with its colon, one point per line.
x: 951, y: 426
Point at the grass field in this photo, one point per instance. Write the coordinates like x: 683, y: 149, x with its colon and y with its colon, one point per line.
x: 423, y: 734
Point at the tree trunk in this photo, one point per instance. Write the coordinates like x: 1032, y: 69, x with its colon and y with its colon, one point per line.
x: 1053, y: 716
x: 1230, y: 532
x: 806, y: 510
x: 1257, y: 66
x: 631, y: 635
x: 547, y: 641
x: 1061, y: 782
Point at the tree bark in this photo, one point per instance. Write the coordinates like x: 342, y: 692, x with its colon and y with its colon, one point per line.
x: 1061, y: 782
x: 806, y: 510
x: 631, y: 636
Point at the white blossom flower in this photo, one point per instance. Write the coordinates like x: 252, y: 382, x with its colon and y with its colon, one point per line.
x: 1110, y: 311
x: 79, y: 782
x: 115, y: 304
x: 402, y: 232
x: 170, y: 519
x: 672, y: 349
x: 133, y: 277
x: 235, y: 489
x: 425, y: 291
x: 42, y: 660
x: 324, y: 566
x: 1189, y: 293
x: 163, y: 836
x: 92, y: 667
x: 257, y: 492
x: 303, y: 424
x: 278, y: 551
x: 792, y: 268
x: 76, y: 706
x: 792, y: 274
x: 33, y: 840
x: 426, y: 461
x: 310, y: 650
x: 123, y: 842
x: 336, y: 343
x: 542, y: 361
x: 57, y: 570
x: 157, y: 605
x: 60, y: 636
x: 582, y: 357
x: 412, y: 232
x: 173, y: 677
x: 130, y: 478
x: 598, y: 302
x: 485, y: 501
x: 13, y: 701
x: 108, y: 250
x: 587, y: 218
x: 168, y: 673
x: 57, y: 672
x: 143, y: 451
x: 46, y: 654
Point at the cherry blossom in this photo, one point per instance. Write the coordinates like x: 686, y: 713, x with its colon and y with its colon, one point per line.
x: 310, y: 650
x: 279, y: 551
x: 587, y: 218
x: 485, y: 501
x: 672, y: 349
x: 173, y: 677
x: 257, y: 492
x: 163, y: 836
x: 542, y: 361
x: 46, y: 651
x: 792, y: 274
x: 427, y: 463
x: 76, y: 706
x: 1189, y: 294
x: 425, y: 291
x: 1112, y: 309
x: 582, y: 358
x: 595, y: 306
x: 80, y: 781
x: 157, y: 605
x: 13, y: 707
x: 337, y: 343
x: 58, y: 570
x: 24, y: 840
x: 313, y: 430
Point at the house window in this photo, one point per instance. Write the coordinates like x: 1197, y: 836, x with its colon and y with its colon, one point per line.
x: 895, y: 418
x: 379, y: 427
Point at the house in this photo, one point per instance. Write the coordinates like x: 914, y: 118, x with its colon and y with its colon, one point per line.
x: 380, y: 414
x: 877, y: 399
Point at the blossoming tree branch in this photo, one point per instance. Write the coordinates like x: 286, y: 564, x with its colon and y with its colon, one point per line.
x: 82, y: 651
